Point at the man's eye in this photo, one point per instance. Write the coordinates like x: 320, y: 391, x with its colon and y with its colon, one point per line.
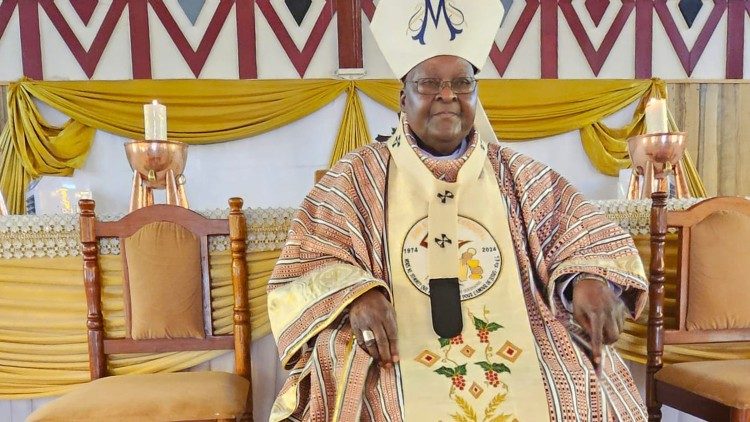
x: 461, y: 83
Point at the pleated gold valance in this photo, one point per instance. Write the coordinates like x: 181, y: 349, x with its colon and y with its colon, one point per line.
x: 206, y: 111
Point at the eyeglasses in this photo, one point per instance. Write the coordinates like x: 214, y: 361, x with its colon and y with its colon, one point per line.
x: 433, y: 86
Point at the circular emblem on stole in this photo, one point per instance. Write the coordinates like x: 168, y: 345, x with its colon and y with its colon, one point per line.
x: 479, y: 259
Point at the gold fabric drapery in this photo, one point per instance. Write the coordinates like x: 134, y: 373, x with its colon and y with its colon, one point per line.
x: 206, y: 111
x: 43, y: 348
x: 200, y: 112
x: 353, y: 132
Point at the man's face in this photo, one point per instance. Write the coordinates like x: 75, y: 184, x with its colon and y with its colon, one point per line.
x: 442, y: 120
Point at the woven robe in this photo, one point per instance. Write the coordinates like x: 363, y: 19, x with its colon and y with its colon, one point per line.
x: 337, y: 250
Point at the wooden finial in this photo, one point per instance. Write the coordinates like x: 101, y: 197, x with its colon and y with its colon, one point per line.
x: 235, y: 203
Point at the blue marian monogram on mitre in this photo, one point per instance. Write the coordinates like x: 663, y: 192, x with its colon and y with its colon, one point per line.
x: 452, y: 16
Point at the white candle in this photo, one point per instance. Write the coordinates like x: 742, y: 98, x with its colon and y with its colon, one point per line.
x: 656, y: 116
x: 155, y: 121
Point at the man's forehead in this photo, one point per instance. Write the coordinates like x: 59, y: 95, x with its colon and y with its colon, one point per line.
x: 442, y: 65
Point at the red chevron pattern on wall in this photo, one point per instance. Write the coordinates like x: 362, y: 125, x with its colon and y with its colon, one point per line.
x: 601, y: 31
x: 300, y: 58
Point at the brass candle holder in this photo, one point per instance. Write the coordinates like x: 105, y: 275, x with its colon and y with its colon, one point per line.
x: 157, y: 165
x: 655, y: 157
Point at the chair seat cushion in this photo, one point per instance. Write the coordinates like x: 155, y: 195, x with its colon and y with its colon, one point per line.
x: 151, y: 397
x: 724, y: 381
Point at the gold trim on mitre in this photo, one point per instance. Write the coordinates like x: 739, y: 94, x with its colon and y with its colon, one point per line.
x: 409, y: 32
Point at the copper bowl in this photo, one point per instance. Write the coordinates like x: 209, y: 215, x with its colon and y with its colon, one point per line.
x: 153, y: 159
x: 656, y: 148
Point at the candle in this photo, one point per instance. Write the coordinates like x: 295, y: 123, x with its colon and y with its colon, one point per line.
x: 656, y: 116
x: 155, y: 121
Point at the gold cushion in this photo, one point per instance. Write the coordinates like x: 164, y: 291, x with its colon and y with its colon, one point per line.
x: 164, y: 272
x: 724, y: 381
x: 719, y: 247
x: 152, y: 397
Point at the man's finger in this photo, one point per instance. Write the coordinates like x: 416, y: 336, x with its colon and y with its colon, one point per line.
x: 597, y: 326
x: 370, y: 345
x: 358, y: 337
x: 372, y: 349
x: 582, y: 320
x: 384, y: 348
x: 391, y: 331
x: 611, y: 329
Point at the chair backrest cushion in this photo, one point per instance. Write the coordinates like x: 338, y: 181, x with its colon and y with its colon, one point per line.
x: 164, y: 276
x: 719, y: 272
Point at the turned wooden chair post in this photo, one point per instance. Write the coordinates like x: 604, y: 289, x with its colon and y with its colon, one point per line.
x: 655, y: 343
x: 94, y: 318
x: 242, y: 328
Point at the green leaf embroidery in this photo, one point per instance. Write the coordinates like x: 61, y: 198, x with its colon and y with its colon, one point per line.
x: 500, y: 367
x: 444, y: 341
x: 448, y: 372
x: 493, y: 326
x: 479, y: 324
x: 461, y: 369
x: 485, y: 365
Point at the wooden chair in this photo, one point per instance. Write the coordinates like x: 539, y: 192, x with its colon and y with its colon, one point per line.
x: 165, y: 261
x: 713, y: 306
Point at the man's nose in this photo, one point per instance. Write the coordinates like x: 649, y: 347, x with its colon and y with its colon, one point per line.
x: 446, y: 92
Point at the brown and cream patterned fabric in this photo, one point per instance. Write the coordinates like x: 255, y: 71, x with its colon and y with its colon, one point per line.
x: 555, y: 233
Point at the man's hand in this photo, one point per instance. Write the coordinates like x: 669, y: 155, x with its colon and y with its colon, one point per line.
x: 372, y: 311
x: 599, y: 312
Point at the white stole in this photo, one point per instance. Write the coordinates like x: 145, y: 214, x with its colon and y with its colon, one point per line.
x: 491, y: 370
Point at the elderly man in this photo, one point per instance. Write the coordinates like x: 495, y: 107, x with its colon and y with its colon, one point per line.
x: 437, y: 276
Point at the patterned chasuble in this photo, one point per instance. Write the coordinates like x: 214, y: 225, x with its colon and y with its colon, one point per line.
x: 490, y: 371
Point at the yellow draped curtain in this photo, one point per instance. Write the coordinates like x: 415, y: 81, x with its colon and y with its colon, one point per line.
x: 206, y: 111
x: 200, y: 112
x: 43, y: 348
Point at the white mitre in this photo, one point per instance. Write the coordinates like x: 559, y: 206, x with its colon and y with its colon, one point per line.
x: 409, y: 32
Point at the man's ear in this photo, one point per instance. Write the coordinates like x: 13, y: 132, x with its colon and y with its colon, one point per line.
x: 402, y: 94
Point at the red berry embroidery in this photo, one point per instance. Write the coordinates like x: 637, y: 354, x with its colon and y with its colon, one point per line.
x: 459, y: 339
x: 492, y: 378
x: 484, y: 328
x: 459, y: 381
